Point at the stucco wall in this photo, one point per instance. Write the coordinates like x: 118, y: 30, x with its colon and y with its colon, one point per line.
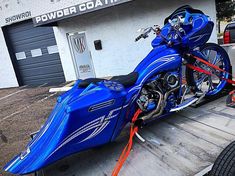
x: 116, y: 28
x: 7, y: 73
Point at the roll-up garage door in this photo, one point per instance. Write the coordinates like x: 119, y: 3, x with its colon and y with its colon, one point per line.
x: 34, y: 54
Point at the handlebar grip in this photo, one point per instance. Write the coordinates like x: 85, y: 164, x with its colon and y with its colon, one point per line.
x: 138, y: 38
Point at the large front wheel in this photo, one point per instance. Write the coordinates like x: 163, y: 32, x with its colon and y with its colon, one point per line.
x: 211, y: 85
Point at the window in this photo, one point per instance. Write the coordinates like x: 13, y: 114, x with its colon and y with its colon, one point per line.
x: 52, y: 49
x: 36, y: 52
x: 20, y: 55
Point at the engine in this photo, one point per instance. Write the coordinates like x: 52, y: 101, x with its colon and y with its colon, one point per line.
x: 171, y: 80
x: 159, y: 95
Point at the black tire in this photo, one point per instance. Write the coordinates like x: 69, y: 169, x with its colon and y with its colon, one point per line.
x: 189, y: 73
x: 225, y: 163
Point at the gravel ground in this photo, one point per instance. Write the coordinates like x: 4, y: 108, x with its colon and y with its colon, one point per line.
x: 23, y: 111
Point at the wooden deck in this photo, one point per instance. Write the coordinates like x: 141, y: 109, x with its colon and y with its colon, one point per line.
x: 183, y: 144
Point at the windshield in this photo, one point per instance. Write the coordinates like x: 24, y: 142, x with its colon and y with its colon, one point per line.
x: 182, y: 11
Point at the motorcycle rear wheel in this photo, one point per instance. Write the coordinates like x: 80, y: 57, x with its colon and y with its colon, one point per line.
x: 210, y: 85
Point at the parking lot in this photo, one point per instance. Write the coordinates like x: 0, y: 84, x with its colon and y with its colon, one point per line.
x: 183, y: 144
x: 23, y: 111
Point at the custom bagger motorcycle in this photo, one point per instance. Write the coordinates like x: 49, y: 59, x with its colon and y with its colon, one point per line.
x: 95, y: 111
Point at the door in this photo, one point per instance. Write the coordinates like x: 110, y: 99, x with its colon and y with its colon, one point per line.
x: 34, y: 54
x: 81, y: 55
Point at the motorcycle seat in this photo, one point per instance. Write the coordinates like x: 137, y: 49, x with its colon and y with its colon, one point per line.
x: 125, y: 80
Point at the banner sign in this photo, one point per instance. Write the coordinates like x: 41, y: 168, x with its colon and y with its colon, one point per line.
x: 76, y: 10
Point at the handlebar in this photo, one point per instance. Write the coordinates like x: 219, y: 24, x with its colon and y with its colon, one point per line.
x: 176, y: 26
x: 144, y: 34
x: 138, y: 38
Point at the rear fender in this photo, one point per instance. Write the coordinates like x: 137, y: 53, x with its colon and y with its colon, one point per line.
x: 80, y: 116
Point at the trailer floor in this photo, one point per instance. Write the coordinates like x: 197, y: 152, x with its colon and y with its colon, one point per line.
x: 182, y: 144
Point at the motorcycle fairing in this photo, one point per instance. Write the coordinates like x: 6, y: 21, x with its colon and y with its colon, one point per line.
x: 88, y: 117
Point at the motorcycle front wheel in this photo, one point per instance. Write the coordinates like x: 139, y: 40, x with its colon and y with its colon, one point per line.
x: 211, y: 85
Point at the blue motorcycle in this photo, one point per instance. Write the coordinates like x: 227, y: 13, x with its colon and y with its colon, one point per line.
x: 95, y: 111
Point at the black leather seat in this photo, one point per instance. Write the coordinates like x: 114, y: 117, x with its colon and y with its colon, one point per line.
x: 125, y: 80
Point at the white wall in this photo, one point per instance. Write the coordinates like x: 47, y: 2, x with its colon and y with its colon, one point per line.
x: 9, y: 8
x: 116, y: 28
x: 7, y: 73
x: 64, y: 51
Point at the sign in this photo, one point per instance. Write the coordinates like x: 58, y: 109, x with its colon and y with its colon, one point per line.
x: 18, y: 17
x: 81, y: 55
x: 79, y: 9
x: 80, y: 44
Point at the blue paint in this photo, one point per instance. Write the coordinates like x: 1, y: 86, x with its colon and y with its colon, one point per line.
x: 84, y: 118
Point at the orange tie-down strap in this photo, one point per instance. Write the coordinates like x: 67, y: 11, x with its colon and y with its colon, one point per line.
x: 127, y: 149
x: 134, y: 129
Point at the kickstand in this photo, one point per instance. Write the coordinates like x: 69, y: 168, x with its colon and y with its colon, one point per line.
x: 200, y: 99
x: 140, y: 137
x: 187, y: 88
x: 146, y: 140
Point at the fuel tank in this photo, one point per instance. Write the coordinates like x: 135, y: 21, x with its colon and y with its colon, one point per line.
x: 160, y: 59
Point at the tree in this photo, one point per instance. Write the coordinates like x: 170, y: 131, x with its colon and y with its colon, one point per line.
x: 225, y: 10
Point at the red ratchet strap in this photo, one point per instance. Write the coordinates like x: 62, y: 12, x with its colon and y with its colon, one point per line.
x: 127, y: 149
x: 233, y: 95
x: 231, y: 99
x: 134, y: 129
x: 230, y: 81
x: 209, y: 64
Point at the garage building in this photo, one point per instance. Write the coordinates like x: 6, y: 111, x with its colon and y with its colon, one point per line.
x: 53, y: 41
